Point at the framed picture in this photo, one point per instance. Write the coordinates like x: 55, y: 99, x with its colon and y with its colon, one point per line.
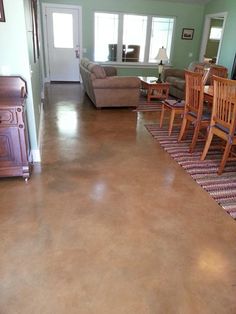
x: 187, y: 33
x: 2, y: 15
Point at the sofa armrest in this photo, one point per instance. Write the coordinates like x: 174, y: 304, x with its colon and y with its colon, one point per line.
x: 117, y: 82
x: 110, y: 70
x: 173, y: 72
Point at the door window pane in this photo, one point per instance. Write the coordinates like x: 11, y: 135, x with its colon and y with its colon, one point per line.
x: 62, y: 30
x: 134, y: 38
x: 106, y: 36
x: 161, y: 36
x: 215, y: 33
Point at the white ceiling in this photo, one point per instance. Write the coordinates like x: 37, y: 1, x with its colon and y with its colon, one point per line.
x: 189, y: 1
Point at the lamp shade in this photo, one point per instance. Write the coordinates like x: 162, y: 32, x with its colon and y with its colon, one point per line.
x: 162, y: 55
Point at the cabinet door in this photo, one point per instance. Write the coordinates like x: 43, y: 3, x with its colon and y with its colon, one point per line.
x: 10, y: 148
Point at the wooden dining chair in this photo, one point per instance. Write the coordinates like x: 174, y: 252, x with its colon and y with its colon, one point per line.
x: 223, y: 118
x: 193, y: 109
x: 204, y: 70
x: 175, y: 107
x: 217, y: 70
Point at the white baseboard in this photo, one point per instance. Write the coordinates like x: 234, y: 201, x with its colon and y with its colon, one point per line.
x: 35, y: 153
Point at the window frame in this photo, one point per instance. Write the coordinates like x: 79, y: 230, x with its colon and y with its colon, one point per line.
x: 145, y: 63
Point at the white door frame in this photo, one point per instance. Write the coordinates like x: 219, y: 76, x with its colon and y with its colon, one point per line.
x: 206, y: 30
x: 45, y: 35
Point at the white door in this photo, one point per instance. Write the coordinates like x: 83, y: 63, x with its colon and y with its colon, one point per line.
x: 63, y: 43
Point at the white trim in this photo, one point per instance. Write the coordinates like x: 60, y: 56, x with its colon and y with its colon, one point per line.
x: 40, y: 130
x: 45, y: 33
x: 206, y: 33
x: 36, y: 155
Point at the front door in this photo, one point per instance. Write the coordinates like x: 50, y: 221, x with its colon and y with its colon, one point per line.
x: 63, y: 43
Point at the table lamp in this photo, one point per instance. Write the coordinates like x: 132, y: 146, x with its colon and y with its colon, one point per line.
x: 162, y: 56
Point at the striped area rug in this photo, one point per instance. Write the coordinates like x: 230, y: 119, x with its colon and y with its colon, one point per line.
x: 222, y: 188
x: 148, y: 106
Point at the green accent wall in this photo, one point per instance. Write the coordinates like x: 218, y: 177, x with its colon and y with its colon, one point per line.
x: 228, y: 47
x: 187, y: 16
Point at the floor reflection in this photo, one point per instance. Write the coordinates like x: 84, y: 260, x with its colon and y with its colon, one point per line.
x: 67, y: 120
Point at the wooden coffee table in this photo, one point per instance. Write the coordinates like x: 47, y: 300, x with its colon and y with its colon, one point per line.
x: 154, y: 90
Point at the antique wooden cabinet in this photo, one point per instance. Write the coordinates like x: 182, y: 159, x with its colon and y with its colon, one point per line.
x: 14, y: 148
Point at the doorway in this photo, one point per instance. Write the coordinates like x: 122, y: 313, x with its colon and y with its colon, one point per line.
x: 212, y: 37
x: 62, y: 42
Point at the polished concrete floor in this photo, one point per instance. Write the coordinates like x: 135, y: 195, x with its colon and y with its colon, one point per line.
x: 110, y: 224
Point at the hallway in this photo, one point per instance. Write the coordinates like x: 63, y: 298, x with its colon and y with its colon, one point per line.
x: 109, y: 223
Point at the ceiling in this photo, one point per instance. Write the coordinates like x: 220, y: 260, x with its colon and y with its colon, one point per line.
x: 189, y: 1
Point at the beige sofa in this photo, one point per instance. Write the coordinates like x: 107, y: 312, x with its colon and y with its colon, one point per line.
x: 106, y: 89
x: 176, y: 78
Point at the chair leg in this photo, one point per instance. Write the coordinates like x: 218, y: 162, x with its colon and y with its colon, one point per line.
x: 224, y: 158
x: 172, y: 117
x: 186, y: 128
x: 195, y: 137
x: 207, y: 145
x: 182, y: 130
x: 162, y: 115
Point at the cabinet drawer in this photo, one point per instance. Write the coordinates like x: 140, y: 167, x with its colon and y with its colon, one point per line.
x: 8, y: 116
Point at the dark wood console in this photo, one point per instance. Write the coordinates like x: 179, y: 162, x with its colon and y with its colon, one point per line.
x: 14, y: 148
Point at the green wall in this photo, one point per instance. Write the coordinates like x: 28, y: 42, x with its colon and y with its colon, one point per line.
x: 228, y: 47
x: 187, y: 16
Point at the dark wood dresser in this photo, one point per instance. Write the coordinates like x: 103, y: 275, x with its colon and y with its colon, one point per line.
x: 14, y: 148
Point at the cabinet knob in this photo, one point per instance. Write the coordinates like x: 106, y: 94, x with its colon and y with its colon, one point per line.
x: 21, y: 126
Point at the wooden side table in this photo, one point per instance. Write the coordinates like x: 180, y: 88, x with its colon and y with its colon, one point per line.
x: 154, y: 90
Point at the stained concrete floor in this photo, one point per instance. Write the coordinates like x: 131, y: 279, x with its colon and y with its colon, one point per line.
x: 110, y: 224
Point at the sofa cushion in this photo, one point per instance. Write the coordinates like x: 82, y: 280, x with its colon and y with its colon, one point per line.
x: 176, y: 81
x: 97, y: 70
x: 117, y: 82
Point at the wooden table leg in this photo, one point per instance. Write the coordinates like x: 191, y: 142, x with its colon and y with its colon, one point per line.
x: 162, y: 114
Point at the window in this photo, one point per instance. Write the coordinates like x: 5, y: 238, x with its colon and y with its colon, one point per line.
x: 134, y: 37
x: 215, y: 33
x: 161, y: 36
x: 106, y: 36
x: 131, y: 38
x: 62, y: 30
